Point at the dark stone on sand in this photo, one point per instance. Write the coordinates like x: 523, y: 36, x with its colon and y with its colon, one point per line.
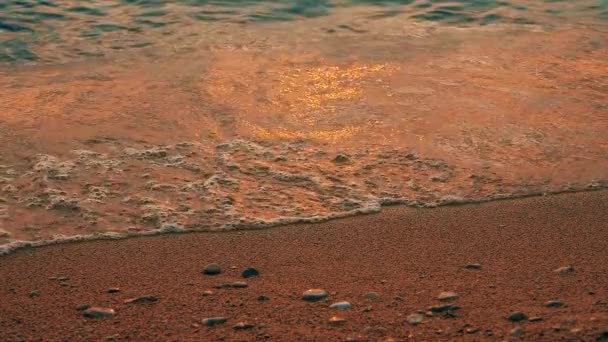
x: 239, y: 285
x: 517, y: 316
x: 222, y: 286
x: 35, y: 293
x: 243, y: 326
x: 113, y: 290
x: 212, y: 269
x: 443, y: 308
x: 211, y: 321
x: 250, y: 272
x: 96, y: 312
x: 472, y: 266
x: 565, y: 270
x: 82, y: 307
x: 263, y: 298
x: 341, y: 306
x: 535, y: 319
x: 371, y: 295
x: 142, y: 299
x: 314, y: 295
x: 554, y: 304
x: 415, y: 319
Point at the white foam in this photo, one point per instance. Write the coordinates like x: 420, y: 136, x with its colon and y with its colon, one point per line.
x: 369, y: 207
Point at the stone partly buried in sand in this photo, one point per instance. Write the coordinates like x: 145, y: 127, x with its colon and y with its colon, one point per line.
x: 97, y: 312
x: 447, y: 296
x: 564, y: 270
x: 212, y: 269
x: 142, y: 299
x: 314, y: 295
x: 335, y: 320
x: 415, y: 319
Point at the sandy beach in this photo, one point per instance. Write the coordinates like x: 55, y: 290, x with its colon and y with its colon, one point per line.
x: 388, y: 266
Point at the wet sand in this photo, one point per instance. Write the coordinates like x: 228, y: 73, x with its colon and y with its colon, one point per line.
x: 407, y: 256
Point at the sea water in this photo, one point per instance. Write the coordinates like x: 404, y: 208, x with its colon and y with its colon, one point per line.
x: 134, y: 117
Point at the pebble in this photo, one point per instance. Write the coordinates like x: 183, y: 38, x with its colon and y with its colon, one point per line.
x: 96, y: 312
x: 207, y: 293
x: 516, y: 332
x: 243, y: 326
x: 517, y: 316
x: 211, y: 321
x: 263, y: 298
x: 314, y: 295
x: 250, y: 272
x: 341, y: 158
x: 35, y: 293
x: 82, y: 307
x: 415, y: 319
x: 212, y: 269
x: 335, y: 320
x: 447, y: 296
x: 554, y: 304
x: 443, y: 308
x: 239, y: 285
x: 142, y: 299
x: 535, y: 319
x: 113, y: 290
x: 341, y: 306
x: 371, y: 295
x: 472, y: 266
x: 564, y: 270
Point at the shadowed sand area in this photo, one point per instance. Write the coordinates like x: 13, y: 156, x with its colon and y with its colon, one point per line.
x: 407, y: 256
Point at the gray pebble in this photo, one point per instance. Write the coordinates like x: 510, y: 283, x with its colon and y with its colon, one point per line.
x: 341, y: 306
x: 554, y: 304
x: 517, y: 316
x: 212, y: 269
x: 250, y: 272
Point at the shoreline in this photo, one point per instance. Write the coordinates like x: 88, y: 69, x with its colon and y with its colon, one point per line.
x: 407, y: 256
x: 170, y: 228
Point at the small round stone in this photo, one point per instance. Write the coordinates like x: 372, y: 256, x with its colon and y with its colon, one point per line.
x: 97, y: 312
x: 212, y: 269
x: 250, y: 272
x: 113, y: 290
x: 517, y: 316
x: 211, y: 321
x: 314, y: 295
x: 341, y: 306
x: 35, y: 293
x: 535, y: 319
x: 554, y: 304
x: 472, y: 266
x: 239, y: 285
x: 447, y: 296
x: 207, y: 293
x: 263, y: 298
x: 415, y: 319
